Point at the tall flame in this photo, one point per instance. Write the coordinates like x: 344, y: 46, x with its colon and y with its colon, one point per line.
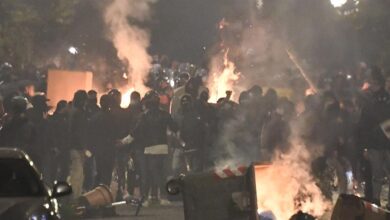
x: 287, y: 186
x: 126, y: 97
x: 222, y: 79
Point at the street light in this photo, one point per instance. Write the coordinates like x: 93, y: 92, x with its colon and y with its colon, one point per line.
x: 338, y: 3
x: 73, y: 50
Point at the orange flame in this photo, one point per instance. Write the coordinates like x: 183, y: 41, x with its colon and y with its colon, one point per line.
x: 222, y: 80
x: 286, y: 186
x: 126, y: 97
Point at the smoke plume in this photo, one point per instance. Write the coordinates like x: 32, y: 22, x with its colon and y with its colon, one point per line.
x: 287, y: 186
x: 131, y: 40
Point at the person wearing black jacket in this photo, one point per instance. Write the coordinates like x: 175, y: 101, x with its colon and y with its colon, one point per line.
x: 77, y: 141
x: 373, y: 136
x: 102, y: 139
x: 57, y: 134
x: 151, y: 134
x: 38, y: 115
x: 192, y: 132
x: 135, y: 159
x: 17, y: 131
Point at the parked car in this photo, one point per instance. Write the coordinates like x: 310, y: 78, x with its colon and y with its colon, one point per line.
x: 23, y: 194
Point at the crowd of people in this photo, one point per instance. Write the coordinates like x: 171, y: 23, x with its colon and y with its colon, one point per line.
x: 167, y: 132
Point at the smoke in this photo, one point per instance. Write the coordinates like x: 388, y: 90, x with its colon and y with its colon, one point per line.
x: 130, y: 40
x: 287, y: 186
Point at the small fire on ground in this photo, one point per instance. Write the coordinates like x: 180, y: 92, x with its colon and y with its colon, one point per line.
x: 286, y: 187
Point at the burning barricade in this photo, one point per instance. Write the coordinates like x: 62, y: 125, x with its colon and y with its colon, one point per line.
x: 242, y: 193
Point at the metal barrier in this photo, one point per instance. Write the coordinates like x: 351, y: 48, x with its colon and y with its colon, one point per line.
x: 228, y: 194
x: 350, y: 207
x: 217, y: 195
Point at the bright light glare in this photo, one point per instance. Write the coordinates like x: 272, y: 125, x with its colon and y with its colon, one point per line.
x: 338, y: 3
x: 73, y: 50
x: 172, y: 82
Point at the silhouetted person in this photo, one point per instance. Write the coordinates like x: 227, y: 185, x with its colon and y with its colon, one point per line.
x: 192, y: 132
x: 102, y: 136
x: 151, y: 133
x: 38, y: 117
x: 92, y: 107
x: 17, y: 131
x: 58, y: 134
x: 135, y: 111
x: 373, y: 131
x: 78, y: 141
x: 122, y: 127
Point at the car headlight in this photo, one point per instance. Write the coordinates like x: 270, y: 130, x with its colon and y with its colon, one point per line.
x: 38, y: 217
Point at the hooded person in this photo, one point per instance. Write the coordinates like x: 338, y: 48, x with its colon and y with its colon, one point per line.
x: 78, y: 124
x: 38, y: 116
x: 374, y: 137
x: 134, y: 162
x: 165, y: 92
x: 192, y: 133
x: 151, y: 134
x: 102, y: 139
x: 58, y: 143
x: 192, y: 88
x: 92, y: 107
x: 122, y: 127
x: 17, y: 131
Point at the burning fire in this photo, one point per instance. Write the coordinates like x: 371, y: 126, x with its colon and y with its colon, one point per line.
x: 287, y: 186
x: 222, y: 80
x: 126, y: 98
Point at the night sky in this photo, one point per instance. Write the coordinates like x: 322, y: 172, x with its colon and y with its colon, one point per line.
x: 181, y: 28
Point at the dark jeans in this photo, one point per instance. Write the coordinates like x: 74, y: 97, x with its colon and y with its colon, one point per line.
x: 122, y: 159
x: 153, y: 175
x: 134, y: 171
x: 104, y: 167
x: 89, y: 173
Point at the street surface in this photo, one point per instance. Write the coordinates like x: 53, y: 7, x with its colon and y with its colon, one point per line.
x: 155, y: 212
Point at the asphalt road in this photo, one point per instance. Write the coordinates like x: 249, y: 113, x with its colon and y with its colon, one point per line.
x: 155, y: 212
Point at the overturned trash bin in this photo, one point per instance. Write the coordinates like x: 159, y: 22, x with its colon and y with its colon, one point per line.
x: 350, y: 207
x: 228, y: 194
x: 218, y: 195
x: 98, y: 197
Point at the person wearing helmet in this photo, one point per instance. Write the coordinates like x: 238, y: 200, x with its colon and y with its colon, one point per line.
x: 151, y: 134
x: 192, y: 132
x: 17, y: 131
x: 165, y: 93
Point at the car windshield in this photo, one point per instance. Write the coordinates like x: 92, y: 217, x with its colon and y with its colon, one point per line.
x: 18, y: 179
